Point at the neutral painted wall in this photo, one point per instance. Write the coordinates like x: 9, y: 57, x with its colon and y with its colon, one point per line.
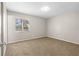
x: 64, y: 27
x: 36, y: 30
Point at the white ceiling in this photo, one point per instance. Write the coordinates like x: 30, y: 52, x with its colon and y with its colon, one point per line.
x: 33, y: 8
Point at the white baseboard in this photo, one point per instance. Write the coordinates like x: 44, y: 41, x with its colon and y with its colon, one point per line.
x: 63, y: 40
x: 44, y: 36
x: 25, y: 39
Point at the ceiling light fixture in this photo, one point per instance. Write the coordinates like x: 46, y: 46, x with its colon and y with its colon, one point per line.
x: 45, y: 8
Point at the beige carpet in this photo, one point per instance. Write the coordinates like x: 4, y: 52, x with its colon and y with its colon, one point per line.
x: 42, y: 47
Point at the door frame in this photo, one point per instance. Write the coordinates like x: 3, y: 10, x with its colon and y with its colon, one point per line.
x: 2, y: 32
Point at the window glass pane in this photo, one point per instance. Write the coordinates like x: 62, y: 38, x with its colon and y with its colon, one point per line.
x: 25, y: 25
x: 18, y: 24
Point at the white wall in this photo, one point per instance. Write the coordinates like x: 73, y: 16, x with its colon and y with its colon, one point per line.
x: 64, y: 27
x: 36, y: 30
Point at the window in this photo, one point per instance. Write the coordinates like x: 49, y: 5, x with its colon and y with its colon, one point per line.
x: 22, y: 25
x: 18, y: 24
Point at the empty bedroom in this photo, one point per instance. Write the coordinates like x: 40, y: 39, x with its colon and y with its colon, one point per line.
x: 42, y: 29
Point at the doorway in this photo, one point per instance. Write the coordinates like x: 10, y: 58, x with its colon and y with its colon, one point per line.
x: 3, y: 28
